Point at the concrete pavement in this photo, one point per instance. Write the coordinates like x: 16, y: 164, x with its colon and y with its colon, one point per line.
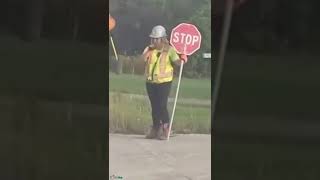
x: 184, y: 157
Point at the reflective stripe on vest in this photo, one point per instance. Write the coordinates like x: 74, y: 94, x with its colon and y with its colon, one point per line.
x: 159, y: 70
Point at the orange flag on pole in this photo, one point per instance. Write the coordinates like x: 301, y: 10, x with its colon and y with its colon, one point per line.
x: 112, y: 22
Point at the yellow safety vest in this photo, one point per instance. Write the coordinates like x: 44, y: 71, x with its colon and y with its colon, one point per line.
x: 159, y: 67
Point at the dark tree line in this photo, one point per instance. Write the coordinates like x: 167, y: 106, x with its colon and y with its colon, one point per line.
x: 135, y: 19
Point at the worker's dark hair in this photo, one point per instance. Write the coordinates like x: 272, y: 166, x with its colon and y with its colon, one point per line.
x: 166, y: 44
x: 165, y: 40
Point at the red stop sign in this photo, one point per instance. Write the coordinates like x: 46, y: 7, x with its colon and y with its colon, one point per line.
x: 185, y: 38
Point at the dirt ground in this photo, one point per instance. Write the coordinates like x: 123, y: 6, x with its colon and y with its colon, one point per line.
x: 183, y: 157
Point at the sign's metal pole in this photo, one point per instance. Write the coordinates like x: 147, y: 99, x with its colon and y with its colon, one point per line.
x: 175, y: 100
x: 223, y: 46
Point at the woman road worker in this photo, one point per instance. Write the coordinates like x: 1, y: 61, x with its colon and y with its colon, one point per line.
x: 160, y: 58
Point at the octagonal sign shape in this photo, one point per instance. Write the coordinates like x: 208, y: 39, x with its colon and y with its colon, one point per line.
x: 185, y: 38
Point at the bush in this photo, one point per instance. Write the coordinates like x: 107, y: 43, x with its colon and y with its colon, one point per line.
x: 127, y: 65
x: 195, y: 68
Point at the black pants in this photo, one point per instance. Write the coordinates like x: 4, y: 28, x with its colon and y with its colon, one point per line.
x: 158, y: 95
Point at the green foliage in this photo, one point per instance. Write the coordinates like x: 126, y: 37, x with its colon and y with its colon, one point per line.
x: 202, y: 19
x: 171, y: 13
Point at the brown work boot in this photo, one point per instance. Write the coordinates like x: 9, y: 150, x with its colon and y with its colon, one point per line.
x: 163, y: 132
x: 152, y: 134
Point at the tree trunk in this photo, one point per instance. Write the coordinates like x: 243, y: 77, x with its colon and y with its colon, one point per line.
x: 119, y: 66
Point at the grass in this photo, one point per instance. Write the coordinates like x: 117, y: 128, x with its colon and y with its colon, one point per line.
x: 133, y: 116
x: 253, y: 87
x: 134, y: 84
x: 282, y: 86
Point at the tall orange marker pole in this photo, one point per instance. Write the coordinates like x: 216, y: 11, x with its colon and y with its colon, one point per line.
x: 112, y: 24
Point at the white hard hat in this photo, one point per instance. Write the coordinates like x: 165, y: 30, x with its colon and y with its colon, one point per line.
x: 158, y: 32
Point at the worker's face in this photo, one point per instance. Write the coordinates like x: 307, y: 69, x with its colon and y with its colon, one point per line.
x: 156, y: 42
